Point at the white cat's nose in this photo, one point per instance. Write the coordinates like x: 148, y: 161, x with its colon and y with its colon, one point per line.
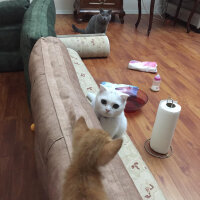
x: 107, y: 110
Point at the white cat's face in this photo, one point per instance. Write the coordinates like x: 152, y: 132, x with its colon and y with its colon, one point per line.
x: 109, y: 102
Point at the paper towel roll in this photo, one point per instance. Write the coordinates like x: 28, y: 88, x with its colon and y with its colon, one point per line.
x: 164, y: 126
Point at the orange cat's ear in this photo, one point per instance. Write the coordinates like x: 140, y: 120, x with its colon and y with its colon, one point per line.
x: 109, y: 151
x: 80, y: 127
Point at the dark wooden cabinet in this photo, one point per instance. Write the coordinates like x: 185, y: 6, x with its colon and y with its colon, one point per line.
x: 85, y: 7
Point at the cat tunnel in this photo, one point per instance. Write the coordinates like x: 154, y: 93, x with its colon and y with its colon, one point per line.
x: 87, y: 45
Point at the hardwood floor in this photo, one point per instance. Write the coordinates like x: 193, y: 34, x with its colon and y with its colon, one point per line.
x: 18, y: 176
x: 178, y: 56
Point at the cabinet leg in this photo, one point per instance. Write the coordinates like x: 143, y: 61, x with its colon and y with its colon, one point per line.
x: 75, y: 14
x: 177, y: 11
x: 79, y: 17
x: 121, y: 16
x: 113, y: 17
x: 191, y: 15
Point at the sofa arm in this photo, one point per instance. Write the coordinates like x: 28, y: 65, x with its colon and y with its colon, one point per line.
x: 12, y: 12
x: 39, y: 21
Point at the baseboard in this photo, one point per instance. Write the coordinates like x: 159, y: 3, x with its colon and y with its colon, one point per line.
x: 59, y: 12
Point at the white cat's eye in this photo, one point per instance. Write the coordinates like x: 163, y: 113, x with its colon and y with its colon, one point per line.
x: 103, y: 101
x: 115, y: 106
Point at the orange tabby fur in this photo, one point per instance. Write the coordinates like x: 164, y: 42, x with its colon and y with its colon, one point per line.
x: 91, y: 148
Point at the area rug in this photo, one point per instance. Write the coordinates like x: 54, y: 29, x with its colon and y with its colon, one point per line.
x: 131, y: 158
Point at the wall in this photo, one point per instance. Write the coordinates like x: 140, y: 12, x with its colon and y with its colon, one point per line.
x: 130, y: 6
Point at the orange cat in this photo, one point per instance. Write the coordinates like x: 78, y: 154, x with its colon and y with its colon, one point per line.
x: 91, y: 148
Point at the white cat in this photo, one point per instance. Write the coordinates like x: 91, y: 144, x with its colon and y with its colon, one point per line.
x: 109, y: 107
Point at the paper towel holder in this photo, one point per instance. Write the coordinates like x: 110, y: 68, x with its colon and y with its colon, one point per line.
x: 171, y: 104
x: 154, y: 153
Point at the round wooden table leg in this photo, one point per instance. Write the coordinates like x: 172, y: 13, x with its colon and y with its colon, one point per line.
x: 139, y: 13
x: 151, y: 16
x: 121, y: 16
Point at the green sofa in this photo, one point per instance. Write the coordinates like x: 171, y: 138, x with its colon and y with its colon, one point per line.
x: 39, y: 21
x: 11, y: 17
x: 21, y: 25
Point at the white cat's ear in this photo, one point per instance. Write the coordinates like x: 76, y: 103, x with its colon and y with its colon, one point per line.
x: 109, y: 151
x: 102, y: 88
x: 124, y: 96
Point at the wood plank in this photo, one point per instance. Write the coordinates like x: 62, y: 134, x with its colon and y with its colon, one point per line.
x: 178, y: 56
x: 18, y: 175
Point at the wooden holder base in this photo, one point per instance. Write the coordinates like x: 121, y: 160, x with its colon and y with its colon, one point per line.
x: 154, y: 153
